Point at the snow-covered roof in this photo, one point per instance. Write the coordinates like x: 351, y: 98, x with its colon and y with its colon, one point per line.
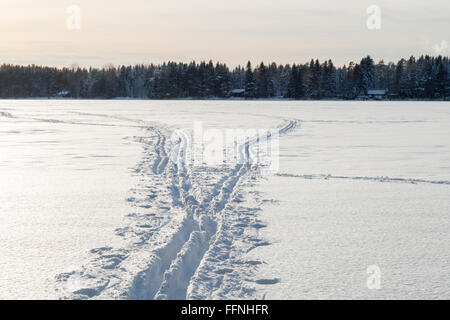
x: 376, y: 92
x: 63, y: 93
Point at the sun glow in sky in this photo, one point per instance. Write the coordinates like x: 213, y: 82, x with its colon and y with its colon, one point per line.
x: 232, y: 31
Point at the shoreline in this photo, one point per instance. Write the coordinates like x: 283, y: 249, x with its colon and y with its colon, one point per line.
x: 224, y: 99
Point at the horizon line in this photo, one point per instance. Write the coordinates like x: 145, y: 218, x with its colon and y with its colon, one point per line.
x: 214, y: 61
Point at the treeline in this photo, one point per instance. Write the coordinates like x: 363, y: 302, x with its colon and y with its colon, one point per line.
x: 423, y: 78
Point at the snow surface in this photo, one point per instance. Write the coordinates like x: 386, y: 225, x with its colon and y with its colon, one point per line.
x: 97, y: 202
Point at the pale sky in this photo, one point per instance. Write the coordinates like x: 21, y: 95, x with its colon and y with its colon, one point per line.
x: 231, y: 31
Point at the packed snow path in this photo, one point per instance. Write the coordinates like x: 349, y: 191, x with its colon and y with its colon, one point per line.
x: 188, y: 234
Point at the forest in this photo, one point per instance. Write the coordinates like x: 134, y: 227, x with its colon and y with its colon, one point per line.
x: 424, y: 78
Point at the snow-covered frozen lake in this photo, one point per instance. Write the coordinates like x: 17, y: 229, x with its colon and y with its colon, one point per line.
x: 93, y: 204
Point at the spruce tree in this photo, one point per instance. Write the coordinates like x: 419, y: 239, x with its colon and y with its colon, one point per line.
x: 249, y: 82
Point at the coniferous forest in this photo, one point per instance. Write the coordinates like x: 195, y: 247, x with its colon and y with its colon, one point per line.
x: 423, y: 78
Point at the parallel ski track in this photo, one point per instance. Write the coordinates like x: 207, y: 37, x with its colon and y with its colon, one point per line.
x: 162, y: 263
x: 169, y: 275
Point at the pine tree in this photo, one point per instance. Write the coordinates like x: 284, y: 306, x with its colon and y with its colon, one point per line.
x: 442, y: 82
x: 262, y: 82
x: 250, y: 92
x: 295, y: 87
x: 328, y: 86
x: 367, y: 74
x: 315, y: 75
x: 401, y: 83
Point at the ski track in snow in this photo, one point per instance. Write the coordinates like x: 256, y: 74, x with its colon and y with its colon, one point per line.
x: 373, y: 179
x: 188, y: 234
x: 59, y: 121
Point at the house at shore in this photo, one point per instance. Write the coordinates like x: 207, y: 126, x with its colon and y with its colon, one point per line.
x: 237, y: 93
x: 379, y: 94
x: 63, y: 94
